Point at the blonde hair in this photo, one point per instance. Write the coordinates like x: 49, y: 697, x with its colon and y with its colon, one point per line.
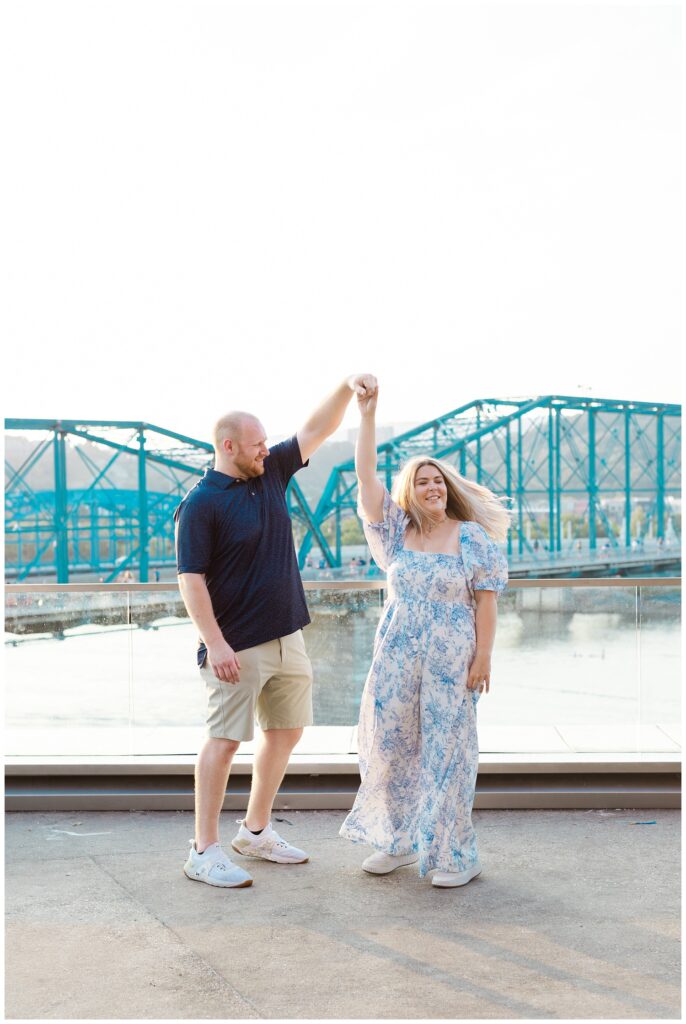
x: 467, y: 501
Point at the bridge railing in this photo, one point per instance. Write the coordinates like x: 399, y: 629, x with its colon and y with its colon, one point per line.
x: 580, y: 666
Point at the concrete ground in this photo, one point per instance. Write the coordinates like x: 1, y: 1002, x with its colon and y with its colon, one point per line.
x: 576, y: 915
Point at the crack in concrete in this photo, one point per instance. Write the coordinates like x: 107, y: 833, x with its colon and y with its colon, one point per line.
x: 213, y: 970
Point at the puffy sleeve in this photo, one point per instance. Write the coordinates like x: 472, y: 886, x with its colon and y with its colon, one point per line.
x: 385, y: 538
x: 485, y: 564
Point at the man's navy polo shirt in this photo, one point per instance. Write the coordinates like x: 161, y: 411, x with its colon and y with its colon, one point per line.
x: 239, y: 534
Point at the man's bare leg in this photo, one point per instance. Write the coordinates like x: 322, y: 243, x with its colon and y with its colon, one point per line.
x: 271, y: 759
x: 211, y: 776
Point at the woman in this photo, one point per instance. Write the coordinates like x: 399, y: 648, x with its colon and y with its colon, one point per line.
x: 417, y: 736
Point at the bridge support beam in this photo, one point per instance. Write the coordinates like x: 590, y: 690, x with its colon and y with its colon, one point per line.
x: 520, y: 491
x: 627, y: 478
x: 508, y: 478
x: 558, y: 484
x: 551, y: 480
x: 660, y: 456
x: 592, y: 495
x: 61, y: 540
x: 143, y: 557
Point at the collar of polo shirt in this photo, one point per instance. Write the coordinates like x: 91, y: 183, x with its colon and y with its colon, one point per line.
x: 223, y: 480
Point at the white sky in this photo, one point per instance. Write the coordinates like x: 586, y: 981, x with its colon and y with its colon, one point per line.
x: 218, y: 205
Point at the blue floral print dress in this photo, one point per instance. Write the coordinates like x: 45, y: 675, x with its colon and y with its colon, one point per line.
x: 417, y: 738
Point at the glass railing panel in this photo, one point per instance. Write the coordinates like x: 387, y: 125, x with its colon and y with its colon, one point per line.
x: 565, y: 672
x: 67, y: 674
x: 659, y: 650
x: 168, y: 713
x: 339, y: 642
x: 115, y: 672
x: 169, y: 696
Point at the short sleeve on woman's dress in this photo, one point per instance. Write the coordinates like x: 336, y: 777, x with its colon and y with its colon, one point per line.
x: 485, y: 564
x: 385, y: 538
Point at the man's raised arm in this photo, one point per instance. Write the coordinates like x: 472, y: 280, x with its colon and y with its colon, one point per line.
x: 326, y: 420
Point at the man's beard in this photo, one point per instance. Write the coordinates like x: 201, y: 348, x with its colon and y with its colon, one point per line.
x: 251, y: 469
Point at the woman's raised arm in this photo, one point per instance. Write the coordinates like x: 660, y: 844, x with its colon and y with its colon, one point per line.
x: 370, y: 488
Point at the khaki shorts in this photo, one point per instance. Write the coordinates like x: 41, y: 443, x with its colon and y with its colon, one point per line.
x: 275, y: 688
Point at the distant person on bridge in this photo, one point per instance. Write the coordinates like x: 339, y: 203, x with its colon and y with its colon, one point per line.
x: 239, y: 579
x: 417, y: 737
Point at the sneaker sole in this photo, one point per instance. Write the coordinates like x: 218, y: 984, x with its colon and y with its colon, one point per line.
x: 454, y: 885
x: 387, y: 871
x: 274, y: 860
x: 218, y: 885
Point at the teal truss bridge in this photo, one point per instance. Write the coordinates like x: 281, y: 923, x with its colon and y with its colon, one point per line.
x: 582, y: 475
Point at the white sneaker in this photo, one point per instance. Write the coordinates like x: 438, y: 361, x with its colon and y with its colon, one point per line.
x: 449, y: 879
x: 215, y: 868
x: 384, y: 863
x: 268, y: 845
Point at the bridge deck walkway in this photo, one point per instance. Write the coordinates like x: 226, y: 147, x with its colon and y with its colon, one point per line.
x: 575, y: 915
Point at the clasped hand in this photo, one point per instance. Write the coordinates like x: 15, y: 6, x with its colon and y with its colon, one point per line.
x: 366, y: 387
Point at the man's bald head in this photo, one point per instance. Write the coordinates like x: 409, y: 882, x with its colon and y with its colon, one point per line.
x: 240, y: 445
x: 232, y: 427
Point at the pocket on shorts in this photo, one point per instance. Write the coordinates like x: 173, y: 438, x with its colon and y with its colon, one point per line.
x: 300, y: 650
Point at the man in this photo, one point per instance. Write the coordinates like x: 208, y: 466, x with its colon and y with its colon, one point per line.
x: 239, y: 579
